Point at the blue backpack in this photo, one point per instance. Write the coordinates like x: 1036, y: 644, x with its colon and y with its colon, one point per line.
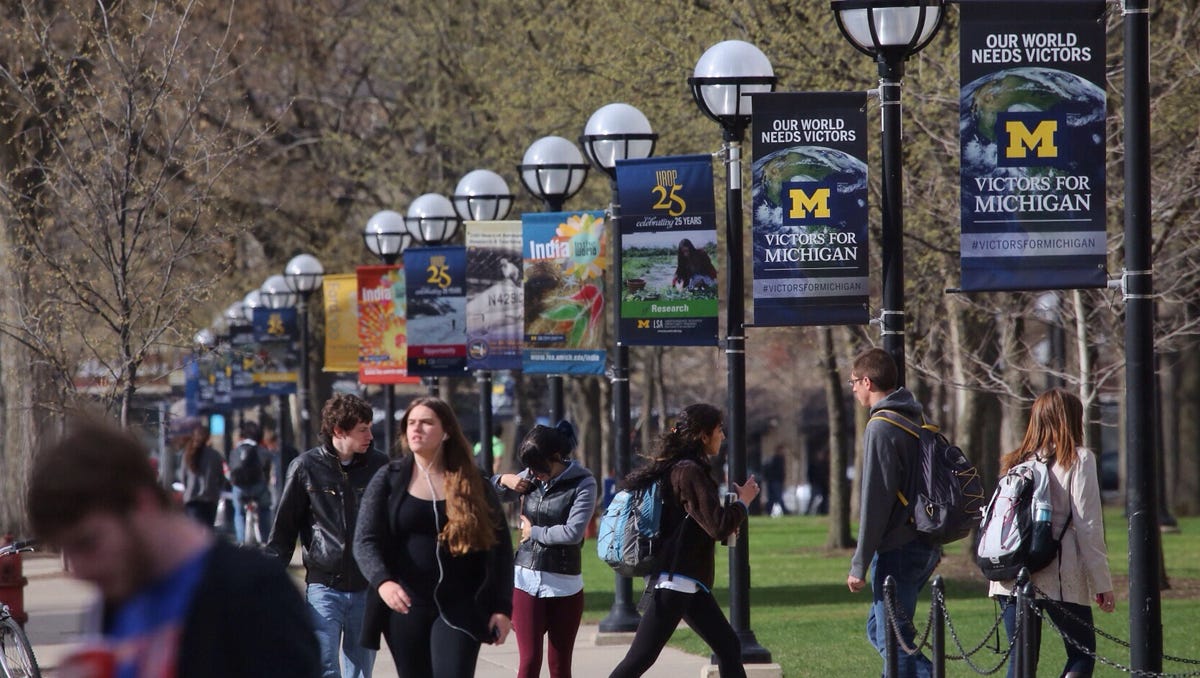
x: 630, y: 536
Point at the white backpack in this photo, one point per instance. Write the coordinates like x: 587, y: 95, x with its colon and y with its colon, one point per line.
x: 1016, y: 531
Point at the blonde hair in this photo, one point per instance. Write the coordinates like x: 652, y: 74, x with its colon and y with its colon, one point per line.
x: 470, y: 525
x: 1055, y: 431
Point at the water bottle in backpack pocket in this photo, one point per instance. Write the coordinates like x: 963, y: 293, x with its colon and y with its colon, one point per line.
x: 1016, y: 530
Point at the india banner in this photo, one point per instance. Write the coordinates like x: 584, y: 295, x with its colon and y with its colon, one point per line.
x: 382, y: 342
x: 1032, y: 136
x: 809, y: 206
x: 495, y: 299
x: 668, y: 248
x: 437, y: 309
x: 341, y: 322
x: 565, y: 259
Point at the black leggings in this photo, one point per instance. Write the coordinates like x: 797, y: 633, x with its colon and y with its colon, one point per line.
x: 701, y: 612
x: 424, y: 645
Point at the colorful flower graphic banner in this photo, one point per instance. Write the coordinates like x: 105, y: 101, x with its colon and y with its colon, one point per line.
x: 668, y: 250
x: 565, y: 259
x: 437, y: 311
x: 495, y: 299
x: 809, y: 201
x: 1032, y: 136
x: 382, y: 343
x: 341, y: 322
x: 277, y: 338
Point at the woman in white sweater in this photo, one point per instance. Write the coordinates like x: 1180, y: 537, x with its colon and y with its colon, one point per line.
x: 1079, y: 575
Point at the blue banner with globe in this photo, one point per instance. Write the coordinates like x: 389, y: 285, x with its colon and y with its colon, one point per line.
x: 436, y: 309
x: 809, y: 203
x: 1031, y: 121
x: 668, y: 251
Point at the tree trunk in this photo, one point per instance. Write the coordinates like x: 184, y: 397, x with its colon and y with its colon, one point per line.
x: 838, y: 536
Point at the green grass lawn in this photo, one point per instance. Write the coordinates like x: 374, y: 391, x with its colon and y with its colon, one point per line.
x: 801, y: 611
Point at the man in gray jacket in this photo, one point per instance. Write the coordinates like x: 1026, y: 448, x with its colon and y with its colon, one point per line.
x: 886, y: 538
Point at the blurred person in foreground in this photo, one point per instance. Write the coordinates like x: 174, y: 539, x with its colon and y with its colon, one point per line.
x: 320, y: 507
x: 175, y: 601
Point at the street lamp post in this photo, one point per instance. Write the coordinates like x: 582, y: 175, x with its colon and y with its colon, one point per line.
x: 386, y: 236
x: 890, y: 31
x: 726, y: 74
x: 553, y: 170
x: 432, y: 221
x: 618, y: 132
x: 303, y: 275
x: 483, y: 195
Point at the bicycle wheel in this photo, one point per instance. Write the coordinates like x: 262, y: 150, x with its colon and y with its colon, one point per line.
x: 17, y: 654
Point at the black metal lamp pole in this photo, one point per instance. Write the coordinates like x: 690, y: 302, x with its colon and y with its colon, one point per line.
x: 618, y: 132
x: 1141, y: 503
x: 724, y: 76
x: 303, y: 275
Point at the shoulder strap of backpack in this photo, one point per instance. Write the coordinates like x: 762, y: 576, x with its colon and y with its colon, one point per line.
x: 903, y: 423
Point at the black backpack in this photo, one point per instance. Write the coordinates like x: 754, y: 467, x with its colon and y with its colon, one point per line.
x: 944, y: 494
x: 245, y: 466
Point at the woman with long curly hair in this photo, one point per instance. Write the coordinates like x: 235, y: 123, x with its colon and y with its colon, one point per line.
x: 1079, y: 574
x: 695, y: 516
x: 432, y: 542
x: 203, y: 476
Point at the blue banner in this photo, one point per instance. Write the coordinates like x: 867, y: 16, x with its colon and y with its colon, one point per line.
x: 277, y: 364
x: 495, y: 298
x: 1032, y: 136
x: 809, y: 205
x: 667, y: 248
x: 565, y: 258
x: 435, y: 278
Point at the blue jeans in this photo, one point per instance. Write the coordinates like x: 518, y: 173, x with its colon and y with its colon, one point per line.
x: 338, y: 619
x: 1082, y: 632
x: 241, y: 496
x: 910, y: 566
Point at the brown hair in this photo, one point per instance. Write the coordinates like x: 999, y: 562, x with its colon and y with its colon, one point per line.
x: 877, y: 365
x: 197, y: 440
x: 684, y: 440
x: 344, y: 411
x: 470, y: 524
x: 93, y: 467
x: 1055, y: 431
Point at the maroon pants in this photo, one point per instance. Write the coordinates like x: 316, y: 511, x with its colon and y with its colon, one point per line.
x: 536, y: 617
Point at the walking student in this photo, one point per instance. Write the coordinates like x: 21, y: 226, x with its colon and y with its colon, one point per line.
x: 433, y: 544
x: 558, y: 498
x: 319, y: 505
x: 176, y: 602
x: 696, y: 516
x: 1079, y: 575
x: 248, y: 466
x: 887, y: 543
x: 203, y: 476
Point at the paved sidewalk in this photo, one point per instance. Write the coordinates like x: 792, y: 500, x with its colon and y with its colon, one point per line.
x: 56, y: 603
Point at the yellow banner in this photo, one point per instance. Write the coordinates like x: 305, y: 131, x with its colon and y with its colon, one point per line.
x: 341, y: 322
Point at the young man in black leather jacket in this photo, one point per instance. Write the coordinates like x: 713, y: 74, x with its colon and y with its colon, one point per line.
x: 319, y: 506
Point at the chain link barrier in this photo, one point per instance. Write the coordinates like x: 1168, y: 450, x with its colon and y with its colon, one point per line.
x: 938, y: 601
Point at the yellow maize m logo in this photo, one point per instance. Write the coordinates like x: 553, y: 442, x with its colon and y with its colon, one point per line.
x: 803, y: 204
x: 1021, y: 139
x: 643, y: 324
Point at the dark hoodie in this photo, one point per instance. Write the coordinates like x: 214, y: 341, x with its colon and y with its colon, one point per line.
x: 888, y: 453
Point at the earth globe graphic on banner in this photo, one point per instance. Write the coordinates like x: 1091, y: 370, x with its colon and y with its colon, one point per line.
x: 801, y: 163
x: 1069, y: 97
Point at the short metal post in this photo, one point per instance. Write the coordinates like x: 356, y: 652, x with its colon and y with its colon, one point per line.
x: 938, y: 632
x: 1027, y: 636
x: 892, y: 653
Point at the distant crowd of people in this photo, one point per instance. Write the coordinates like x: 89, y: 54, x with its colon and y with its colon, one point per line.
x: 415, y: 549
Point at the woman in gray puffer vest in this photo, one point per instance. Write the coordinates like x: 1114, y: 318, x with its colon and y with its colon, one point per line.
x: 558, y: 498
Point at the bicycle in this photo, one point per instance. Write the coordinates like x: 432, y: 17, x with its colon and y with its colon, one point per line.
x: 16, y: 654
x: 253, y: 532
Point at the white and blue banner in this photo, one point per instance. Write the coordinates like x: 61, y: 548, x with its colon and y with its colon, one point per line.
x: 1032, y: 135
x: 436, y: 310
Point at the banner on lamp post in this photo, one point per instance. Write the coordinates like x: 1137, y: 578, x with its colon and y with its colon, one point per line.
x: 382, y: 341
x: 341, y: 322
x: 668, y: 241
x: 1032, y: 137
x: 437, y: 309
x: 277, y: 339
x: 495, y: 298
x: 564, y: 262
x: 809, y: 207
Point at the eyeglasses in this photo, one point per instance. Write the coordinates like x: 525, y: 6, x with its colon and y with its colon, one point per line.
x: 852, y: 382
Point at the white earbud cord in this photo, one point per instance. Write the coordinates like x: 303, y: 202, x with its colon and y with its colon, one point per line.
x: 437, y: 550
